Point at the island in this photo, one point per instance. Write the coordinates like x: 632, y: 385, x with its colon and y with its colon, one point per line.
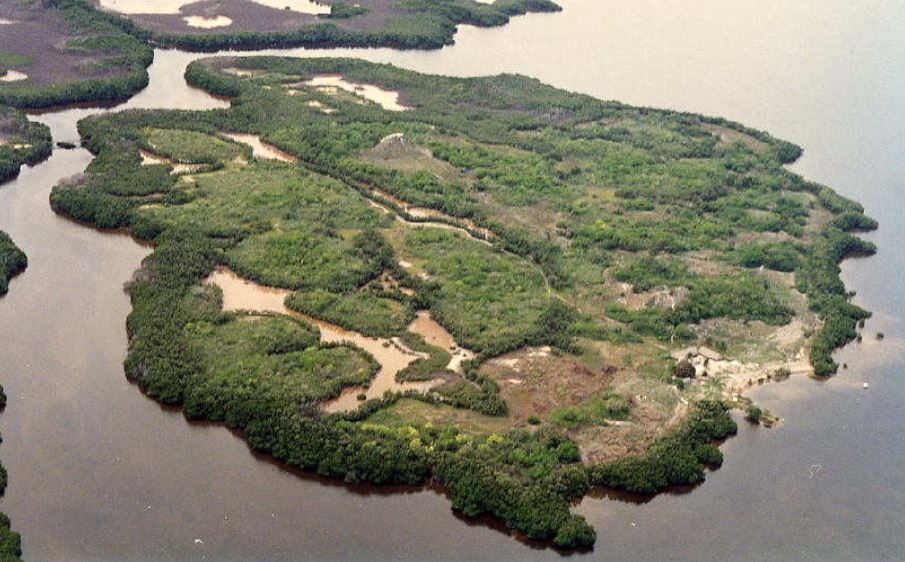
x: 508, y: 290
x: 56, y: 52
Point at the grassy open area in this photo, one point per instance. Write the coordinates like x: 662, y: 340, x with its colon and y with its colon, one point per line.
x: 576, y: 246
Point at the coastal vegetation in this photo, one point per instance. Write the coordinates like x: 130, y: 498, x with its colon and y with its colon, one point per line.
x: 399, y: 24
x: 21, y: 142
x: 583, y: 252
x: 12, y: 261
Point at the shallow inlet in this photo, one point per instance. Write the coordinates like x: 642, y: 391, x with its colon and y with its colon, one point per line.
x: 438, y: 336
x: 260, y: 149
x: 241, y: 294
x: 386, y: 99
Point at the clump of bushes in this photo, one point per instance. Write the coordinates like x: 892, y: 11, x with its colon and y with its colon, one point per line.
x: 12, y: 261
x: 684, y: 369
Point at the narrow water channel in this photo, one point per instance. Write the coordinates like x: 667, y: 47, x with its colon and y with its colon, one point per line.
x: 98, y: 471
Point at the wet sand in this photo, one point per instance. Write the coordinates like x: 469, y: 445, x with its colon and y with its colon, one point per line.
x: 260, y: 149
x: 436, y: 335
x: 206, y: 22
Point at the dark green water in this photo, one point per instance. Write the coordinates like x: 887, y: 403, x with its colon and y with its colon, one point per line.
x: 97, y: 471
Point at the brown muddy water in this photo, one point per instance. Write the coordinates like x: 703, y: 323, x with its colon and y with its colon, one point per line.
x: 98, y: 471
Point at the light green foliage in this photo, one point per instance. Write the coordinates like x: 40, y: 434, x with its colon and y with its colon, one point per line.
x: 488, y: 299
x: 191, y: 147
x: 362, y: 311
x: 594, y: 411
x: 266, y: 362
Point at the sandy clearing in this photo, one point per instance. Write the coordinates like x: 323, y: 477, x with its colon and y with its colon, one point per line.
x: 13, y: 76
x: 207, y: 23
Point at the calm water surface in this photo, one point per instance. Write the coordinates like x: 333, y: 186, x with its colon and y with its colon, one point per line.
x: 98, y: 471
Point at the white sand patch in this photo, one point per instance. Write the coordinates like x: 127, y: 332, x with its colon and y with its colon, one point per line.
x: 207, y: 23
x: 13, y: 76
x: 7, y: 22
x: 386, y: 99
x: 243, y: 72
x: 144, y: 6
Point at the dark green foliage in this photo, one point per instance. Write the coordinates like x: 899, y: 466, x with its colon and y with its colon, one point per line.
x: 344, y: 11
x: 753, y: 413
x: 12, y: 261
x: 595, y: 411
x: 647, y: 272
x: 423, y: 368
x: 26, y: 142
x: 483, y: 399
x: 678, y: 458
x: 776, y: 256
x: 364, y: 311
x: 819, y: 279
x: 10, y: 541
